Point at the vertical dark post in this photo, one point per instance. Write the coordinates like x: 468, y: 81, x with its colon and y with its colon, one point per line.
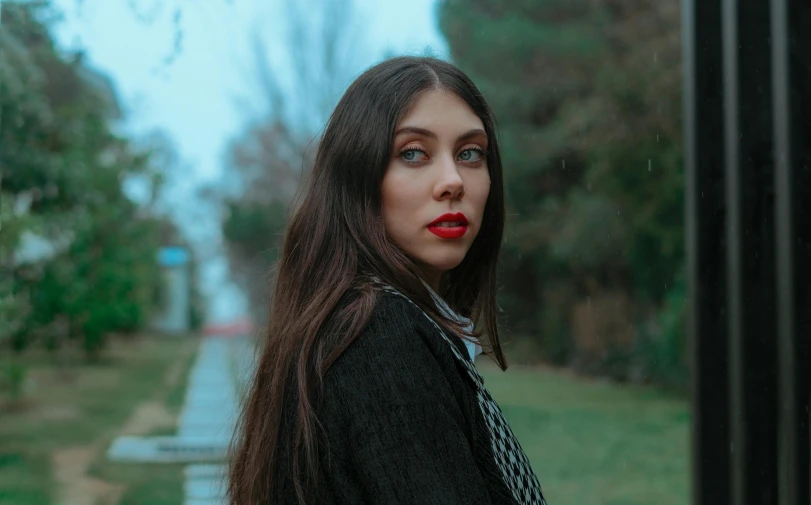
x: 799, y: 35
x: 799, y: 15
x: 749, y: 145
x: 706, y: 250
x: 747, y: 96
x: 792, y: 118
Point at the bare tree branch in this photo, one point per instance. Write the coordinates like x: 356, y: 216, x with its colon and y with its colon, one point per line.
x: 296, y: 91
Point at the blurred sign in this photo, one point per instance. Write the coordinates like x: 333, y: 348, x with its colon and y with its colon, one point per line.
x: 174, y: 314
x: 173, y: 256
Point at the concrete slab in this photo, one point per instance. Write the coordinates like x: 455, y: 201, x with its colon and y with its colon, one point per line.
x: 206, y: 423
x: 168, y: 449
x: 205, y: 471
x: 205, y: 489
x: 198, y: 501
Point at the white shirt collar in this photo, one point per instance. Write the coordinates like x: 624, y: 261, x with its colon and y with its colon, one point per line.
x: 473, y: 348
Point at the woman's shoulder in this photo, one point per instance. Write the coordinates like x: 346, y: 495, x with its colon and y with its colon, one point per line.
x: 396, y: 325
x: 398, y: 357
x: 398, y: 335
x: 392, y: 307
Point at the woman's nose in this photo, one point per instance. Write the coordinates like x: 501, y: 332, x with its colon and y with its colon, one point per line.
x: 450, y: 184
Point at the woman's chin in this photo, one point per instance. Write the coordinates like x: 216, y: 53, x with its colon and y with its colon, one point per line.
x: 445, y: 263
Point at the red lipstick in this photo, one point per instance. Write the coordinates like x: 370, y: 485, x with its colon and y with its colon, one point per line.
x: 449, y: 225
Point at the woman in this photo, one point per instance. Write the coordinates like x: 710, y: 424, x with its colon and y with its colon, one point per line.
x: 366, y: 391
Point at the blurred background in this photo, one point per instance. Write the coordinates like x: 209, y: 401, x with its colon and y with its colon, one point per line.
x: 149, y: 150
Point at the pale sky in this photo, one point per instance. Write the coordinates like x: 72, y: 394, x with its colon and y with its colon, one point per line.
x: 193, y: 99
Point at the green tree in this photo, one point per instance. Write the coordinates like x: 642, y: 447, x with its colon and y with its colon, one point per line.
x: 588, y: 100
x: 61, y: 172
x: 276, y: 149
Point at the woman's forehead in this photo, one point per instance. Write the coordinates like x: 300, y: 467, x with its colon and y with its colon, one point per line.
x: 440, y: 111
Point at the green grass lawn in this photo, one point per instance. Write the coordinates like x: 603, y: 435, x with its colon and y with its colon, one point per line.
x: 71, y: 414
x: 590, y: 442
x: 593, y: 442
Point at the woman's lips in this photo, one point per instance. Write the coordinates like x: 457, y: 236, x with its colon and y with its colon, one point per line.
x: 449, y: 225
x: 448, y: 231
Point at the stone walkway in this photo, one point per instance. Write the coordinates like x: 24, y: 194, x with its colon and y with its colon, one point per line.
x: 206, y: 423
x: 211, y: 409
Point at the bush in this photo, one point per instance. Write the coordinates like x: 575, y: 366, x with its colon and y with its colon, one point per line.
x: 12, y: 380
x: 660, y: 353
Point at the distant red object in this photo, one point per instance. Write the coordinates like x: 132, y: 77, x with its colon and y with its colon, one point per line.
x: 231, y: 329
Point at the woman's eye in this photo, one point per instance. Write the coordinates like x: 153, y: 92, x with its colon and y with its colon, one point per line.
x: 413, y: 155
x: 471, y: 155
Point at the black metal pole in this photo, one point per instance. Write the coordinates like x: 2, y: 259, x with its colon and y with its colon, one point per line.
x: 749, y: 145
x: 706, y: 250
x: 792, y: 114
x: 747, y: 92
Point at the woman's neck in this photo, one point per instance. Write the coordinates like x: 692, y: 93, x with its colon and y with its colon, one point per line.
x: 431, y: 277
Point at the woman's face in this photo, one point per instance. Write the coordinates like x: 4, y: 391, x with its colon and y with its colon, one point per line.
x: 437, y: 182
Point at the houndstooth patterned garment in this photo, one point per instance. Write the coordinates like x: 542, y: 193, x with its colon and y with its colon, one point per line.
x: 510, y: 457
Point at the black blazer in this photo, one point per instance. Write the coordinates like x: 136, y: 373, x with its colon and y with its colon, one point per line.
x: 408, y: 420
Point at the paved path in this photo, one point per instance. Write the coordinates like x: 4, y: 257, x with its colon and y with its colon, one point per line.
x: 211, y: 409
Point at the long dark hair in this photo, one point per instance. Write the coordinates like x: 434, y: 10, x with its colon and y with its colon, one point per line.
x: 335, y: 243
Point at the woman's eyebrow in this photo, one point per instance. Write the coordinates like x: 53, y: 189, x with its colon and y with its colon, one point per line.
x: 476, y: 132
x: 417, y: 130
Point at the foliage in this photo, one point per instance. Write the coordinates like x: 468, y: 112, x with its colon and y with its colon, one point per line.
x: 588, y: 100
x: 62, y: 169
x: 12, y: 380
x: 253, y: 220
x: 587, y: 94
x: 661, y: 348
x: 276, y: 149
